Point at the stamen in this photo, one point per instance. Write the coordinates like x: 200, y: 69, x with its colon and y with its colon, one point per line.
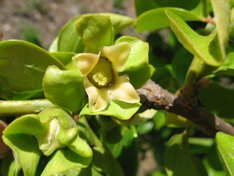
x: 102, y: 74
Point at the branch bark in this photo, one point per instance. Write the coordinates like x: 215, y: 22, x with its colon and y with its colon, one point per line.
x: 153, y: 96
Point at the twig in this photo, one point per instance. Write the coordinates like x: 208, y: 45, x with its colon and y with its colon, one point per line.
x: 22, y: 107
x: 153, y: 96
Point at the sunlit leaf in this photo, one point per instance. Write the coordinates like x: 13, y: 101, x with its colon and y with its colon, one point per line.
x: 138, y: 56
x: 22, y: 67
x: 64, y: 57
x: 118, y: 109
x: 198, y: 7
x: 26, y: 151
x: 157, y: 18
x: 95, y: 31
x: 119, y: 22
x: 227, y: 68
x: 64, y: 88
x: 63, y: 160
x: 203, y: 47
x: 68, y: 39
x: 225, y: 145
x: 222, y: 13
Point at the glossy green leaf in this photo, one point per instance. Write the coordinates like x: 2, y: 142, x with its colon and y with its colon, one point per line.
x: 138, y: 56
x: 222, y: 13
x: 64, y: 57
x: 195, y: 6
x: 81, y: 147
x: 25, y: 125
x: 221, y: 94
x: 63, y: 160
x: 64, y: 88
x: 156, y: 19
x: 95, y: 31
x: 26, y: 151
x: 68, y: 39
x: 177, y: 156
x: 203, y: 47
x: 225, y: 146
x: 22, y: 67
x: 119, y: 22
x: 118, y: 109
x: 227, y: 68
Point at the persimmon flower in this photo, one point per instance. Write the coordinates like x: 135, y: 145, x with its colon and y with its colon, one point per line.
x: 102, y: 79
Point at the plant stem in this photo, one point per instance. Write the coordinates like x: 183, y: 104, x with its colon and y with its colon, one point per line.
x: 195, y: 72
x: 21, y: 107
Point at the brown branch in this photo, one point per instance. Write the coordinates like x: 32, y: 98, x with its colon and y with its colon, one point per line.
x: 153, y: 96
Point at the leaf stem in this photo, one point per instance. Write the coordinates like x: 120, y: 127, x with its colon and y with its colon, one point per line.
x: 21, y: 107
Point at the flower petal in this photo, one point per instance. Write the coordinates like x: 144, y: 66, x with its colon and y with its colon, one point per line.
x: 117, y: 54
x: 86, y: 62
x: 98, y: 100
x: 123, y: 90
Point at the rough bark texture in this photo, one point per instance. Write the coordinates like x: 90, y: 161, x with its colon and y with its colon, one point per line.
x: 153, y: 96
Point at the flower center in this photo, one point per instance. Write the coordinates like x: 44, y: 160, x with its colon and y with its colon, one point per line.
x: 102, y: 73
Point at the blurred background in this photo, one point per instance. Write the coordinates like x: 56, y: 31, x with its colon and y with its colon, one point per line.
x: 39, y: 21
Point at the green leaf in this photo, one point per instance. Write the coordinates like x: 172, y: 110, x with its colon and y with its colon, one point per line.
x: 9, y: 167
x: 156, y: 19
x: 95, y: 31
x: 222, y: 14
x: 222, y: 94
x: 68, y: 39
x: 22, y: 67
x: 225, y: 146
x: 203, y: 47
x: 118, y: 109
x: 212, y: 163
x: 138, y: 56
x: 180, y: 64
x: 198, y: 7
x: 119, y: 22
x: 126, y: 135
x: 26, y: 151
x: 63, y: 160
x: 81, y: 147
x: 177, y: 156
x: 100, y: 153
x: 64, y: 57
x: 25, y: 125
x: 139, y: 77
x: 227, y: 68
x: 110, y: 168
x: 64, y: 88
x: 54, y: 45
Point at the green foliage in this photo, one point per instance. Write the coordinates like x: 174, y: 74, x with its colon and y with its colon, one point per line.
x: 23, y: 59
x: 146, y: 21
x: 177, y: 156
x: 188, y: 51
x: 225, y: 149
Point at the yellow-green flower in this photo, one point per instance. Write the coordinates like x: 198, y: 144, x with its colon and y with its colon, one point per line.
x: 103, y: 80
